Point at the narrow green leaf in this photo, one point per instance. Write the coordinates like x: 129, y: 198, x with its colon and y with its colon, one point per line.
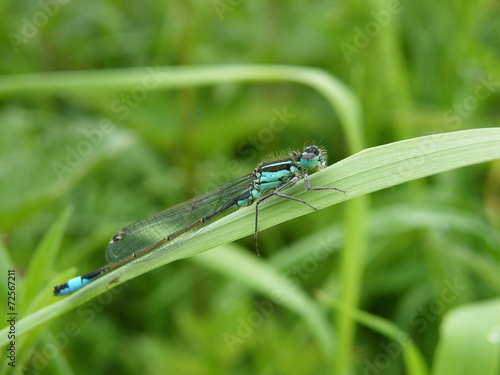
x: 365, y: 172
x: 42, y: 261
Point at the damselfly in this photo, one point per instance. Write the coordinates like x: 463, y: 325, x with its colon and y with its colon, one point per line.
x: 162, y: 231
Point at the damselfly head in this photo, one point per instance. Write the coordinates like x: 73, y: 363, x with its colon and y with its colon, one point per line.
x: 313, y: 157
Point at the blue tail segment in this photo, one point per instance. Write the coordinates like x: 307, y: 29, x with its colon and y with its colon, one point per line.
x: 76, y: 283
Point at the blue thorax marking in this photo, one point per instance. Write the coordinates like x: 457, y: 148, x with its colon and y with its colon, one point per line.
x: 309, y: 161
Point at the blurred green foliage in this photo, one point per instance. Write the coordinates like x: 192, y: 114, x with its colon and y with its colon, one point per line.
x: 115, y: 156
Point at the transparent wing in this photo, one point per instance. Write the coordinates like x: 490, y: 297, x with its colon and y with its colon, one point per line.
x: 154, y: 228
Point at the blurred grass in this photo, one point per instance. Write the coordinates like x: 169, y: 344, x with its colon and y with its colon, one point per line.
x: 418, y: 74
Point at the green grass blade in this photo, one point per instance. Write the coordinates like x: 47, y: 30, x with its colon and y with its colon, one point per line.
x: 44, y: 257
x: 470, y: 340
x: 166, y: 77
x: 365, y: 172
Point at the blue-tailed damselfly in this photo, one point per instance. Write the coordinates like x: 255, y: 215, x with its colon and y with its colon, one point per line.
x: 169, y: 227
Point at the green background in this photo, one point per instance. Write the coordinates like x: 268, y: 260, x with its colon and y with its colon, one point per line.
x: 98, y: 158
